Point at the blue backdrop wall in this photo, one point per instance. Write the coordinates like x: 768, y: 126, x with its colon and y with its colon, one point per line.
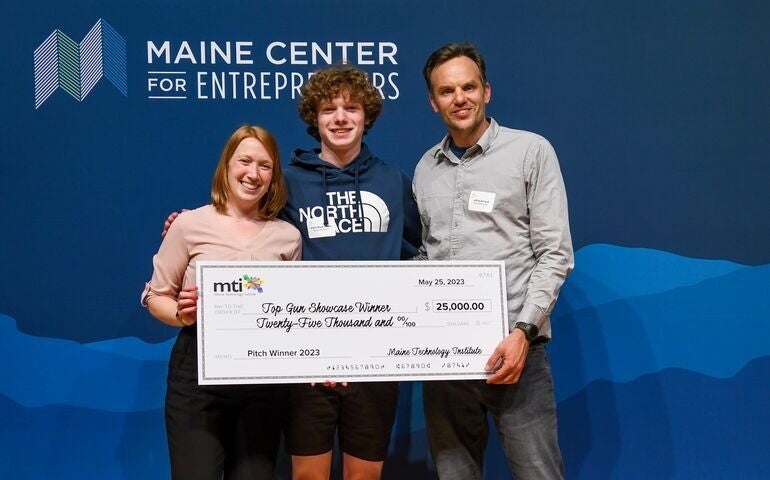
x: 659, y: 112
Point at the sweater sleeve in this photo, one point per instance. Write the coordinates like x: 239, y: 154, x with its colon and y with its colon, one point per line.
x: 170, y: 263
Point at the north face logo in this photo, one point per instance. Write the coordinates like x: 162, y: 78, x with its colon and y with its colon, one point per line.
x: 349, y: 215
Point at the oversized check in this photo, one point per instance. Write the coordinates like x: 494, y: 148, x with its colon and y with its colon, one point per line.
x: 297, y: 322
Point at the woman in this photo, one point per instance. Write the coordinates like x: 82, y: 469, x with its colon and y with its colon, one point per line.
x: 227, y: 431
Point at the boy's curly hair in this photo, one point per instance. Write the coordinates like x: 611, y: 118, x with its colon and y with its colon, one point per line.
x: 327, y: 84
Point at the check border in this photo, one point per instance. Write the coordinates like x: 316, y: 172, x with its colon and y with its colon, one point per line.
x: 372, y: 375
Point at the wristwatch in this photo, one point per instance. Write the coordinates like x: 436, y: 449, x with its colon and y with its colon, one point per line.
x: 530, y: 330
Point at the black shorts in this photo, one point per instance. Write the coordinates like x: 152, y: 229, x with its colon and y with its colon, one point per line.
x: 364, y: 413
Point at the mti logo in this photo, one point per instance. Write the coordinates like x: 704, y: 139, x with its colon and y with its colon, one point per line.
x: 237, y: 286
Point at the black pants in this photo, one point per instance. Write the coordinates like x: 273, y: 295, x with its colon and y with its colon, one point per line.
x: 217, y: 432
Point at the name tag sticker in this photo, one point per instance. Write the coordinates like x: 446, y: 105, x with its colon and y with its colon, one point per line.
x: 481, y: 201
x: 317, y: 229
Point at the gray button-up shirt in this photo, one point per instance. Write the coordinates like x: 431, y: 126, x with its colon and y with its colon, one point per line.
x: 503, y: 200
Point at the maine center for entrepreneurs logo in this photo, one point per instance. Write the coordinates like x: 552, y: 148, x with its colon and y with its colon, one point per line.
x: 61, y: 62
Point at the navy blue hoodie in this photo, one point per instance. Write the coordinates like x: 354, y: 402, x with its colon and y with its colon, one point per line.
x: 364, y: 211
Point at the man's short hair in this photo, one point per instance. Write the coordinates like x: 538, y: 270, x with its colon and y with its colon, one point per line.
x: 327, y: 84
x: 450, y: 51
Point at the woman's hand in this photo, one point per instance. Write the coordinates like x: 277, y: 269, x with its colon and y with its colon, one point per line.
x: 187, y: 305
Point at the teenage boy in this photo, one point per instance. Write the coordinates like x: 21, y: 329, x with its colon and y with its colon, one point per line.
x: 348, y: 205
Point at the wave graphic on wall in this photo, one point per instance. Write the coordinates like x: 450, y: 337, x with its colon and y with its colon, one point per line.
x: 628, y: 312
x: 660, y: 363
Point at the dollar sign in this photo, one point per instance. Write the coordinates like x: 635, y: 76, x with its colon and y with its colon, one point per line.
x: 427, y: 306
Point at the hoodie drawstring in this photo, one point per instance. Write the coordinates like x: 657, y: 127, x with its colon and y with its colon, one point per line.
x: 358, y: 196
x: 323, y: 197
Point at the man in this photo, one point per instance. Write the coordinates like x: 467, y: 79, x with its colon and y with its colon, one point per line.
x: 348, y: 205
x: 486, y: 192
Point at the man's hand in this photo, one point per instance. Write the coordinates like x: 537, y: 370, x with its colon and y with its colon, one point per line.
x: 169, y: 221
x: 187, y: 304
x: 508, y: 358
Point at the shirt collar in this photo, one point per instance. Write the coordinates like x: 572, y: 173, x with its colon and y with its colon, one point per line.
x: 441, y: 151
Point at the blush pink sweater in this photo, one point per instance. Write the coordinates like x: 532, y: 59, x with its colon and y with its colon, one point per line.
x: 205, y: 234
